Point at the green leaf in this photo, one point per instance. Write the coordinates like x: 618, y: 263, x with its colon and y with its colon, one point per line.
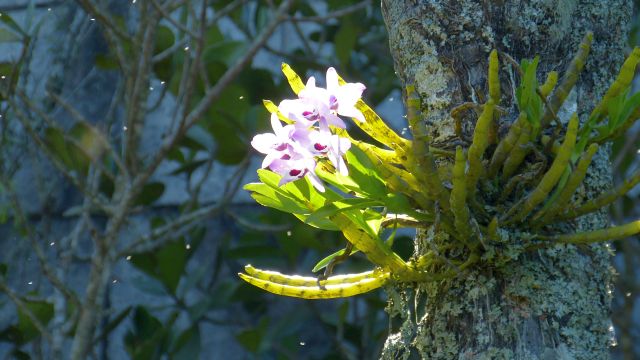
x: 337, y: 207
x: 262, y: 16
x: 106, y: 186
x: 303, y: 191
x: 200, y: 138
x: 630, y: 105
x: 189, y: 167
x: 11, y: 334
x: 57, y: 145
x: 257, y: 82
x: 324, y: 262
x: 8, y: 36
x: 215, y: 70
x: 112, y: 325
x: 363, y: 178
x: 42, y: 310
x: 252, y: 339
x: 196, y: 143
x: 194, y: 277
x: 172, y: 259
x: 614, y: 109
x: 345, y: 40
x: 227, y: 124
x: 143, y: 341
x: 227, y: 51
x: 165, y: 38
x: 320, y: 223
x: 213, y: 35
x: 8, y: 20
x: 221, y: 297
x: 187, y: 345
x: 150, y: 286
x: 165, y: 264
x: 274, y: 198
x: 526, y: 94
x: 17, y: 354
x: 150, y: 193
x: 90, y: 140
x: 106, y: 62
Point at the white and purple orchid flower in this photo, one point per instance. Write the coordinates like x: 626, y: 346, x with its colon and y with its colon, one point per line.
x: 291, y: 150
x: 339, y: 99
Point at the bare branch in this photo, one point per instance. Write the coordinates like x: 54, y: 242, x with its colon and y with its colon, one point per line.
x: 214, y: 93
x: 160, y: 235
x: 24, y: 120
x: 332, y: 15
x: 101, y: 16
x: 167, y: 16
x: 91, y: 154
x: 22, y: 223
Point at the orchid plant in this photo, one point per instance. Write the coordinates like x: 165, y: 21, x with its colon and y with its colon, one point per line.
x: 316, y: 171
x: 310, y: 148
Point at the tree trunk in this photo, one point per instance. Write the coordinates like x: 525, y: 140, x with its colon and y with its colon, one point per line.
x: 546, y: 304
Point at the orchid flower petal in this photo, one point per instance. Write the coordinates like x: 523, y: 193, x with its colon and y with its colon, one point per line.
x: 332, y: 79
x: 352, y: 112
x: 348, y: 94
x: 264, y: 142
x: 315, y: 181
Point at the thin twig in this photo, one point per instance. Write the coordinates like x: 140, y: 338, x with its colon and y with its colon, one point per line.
x: 253, y: 226
x: 226, y: 10
x: 156, y: 237
x: 332, y: 15
x: 167, y: 16
x: 136, y: 100
x: 214, y: 93
x: 101, y: 16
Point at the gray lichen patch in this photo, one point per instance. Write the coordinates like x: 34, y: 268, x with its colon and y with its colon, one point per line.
x: 542, y: 304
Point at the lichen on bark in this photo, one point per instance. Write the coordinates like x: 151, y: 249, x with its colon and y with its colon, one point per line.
x: 547, y: 304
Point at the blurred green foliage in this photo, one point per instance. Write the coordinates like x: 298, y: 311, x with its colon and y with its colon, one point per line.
x: 191, y: 277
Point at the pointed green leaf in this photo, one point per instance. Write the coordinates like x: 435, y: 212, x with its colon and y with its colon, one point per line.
x: 42, y: 310
x: 324, y: 262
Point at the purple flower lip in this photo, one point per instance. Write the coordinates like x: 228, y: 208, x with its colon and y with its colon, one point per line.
x: 333, y: 102
x: 311, y: 116
x: 291, y: 150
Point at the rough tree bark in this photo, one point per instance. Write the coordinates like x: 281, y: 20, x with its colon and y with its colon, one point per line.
x: 548, y: 304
